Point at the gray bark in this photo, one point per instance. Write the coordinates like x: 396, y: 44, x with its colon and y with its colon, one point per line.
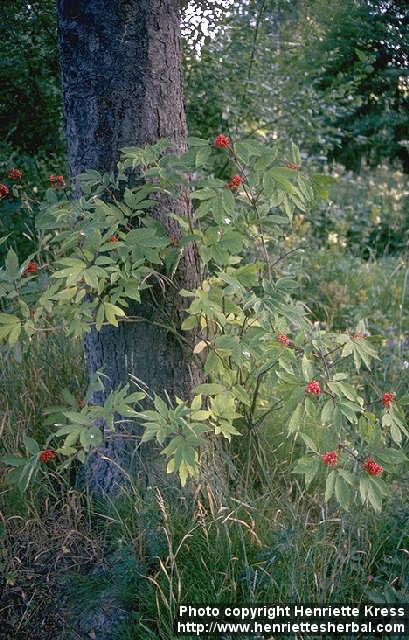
x: 121, y: 80
x: 121, y: 77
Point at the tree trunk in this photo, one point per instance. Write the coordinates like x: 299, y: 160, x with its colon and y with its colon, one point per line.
x: 121, y: 80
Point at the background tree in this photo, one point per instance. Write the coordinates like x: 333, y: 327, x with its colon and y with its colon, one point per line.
x: 30, y: 104
x: 332, y: 76
x: 359, y: 57
x: 250, y: 74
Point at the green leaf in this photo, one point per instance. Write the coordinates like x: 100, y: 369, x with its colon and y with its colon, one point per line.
x: 327, y: 412
x: 12, y: 265
x: 77, y: 418
x: 31, y: 445
x: 297, y: 419
x: 91, y: 438
x: 135, y: 397
x: 111, y: 313
x: 27, y: 473
x: 197, y: 142
x: 200, y: 415
x: 374, y: 495
x: 241, y: 395
x: 202, y: 155
x: 309, y: 442
x: 363, y: 488
x: 295, y: 154
x: 99, y: 321
x: 348, y: 476
x: 226, y: 429
x: 13, y: 461
x: 307, y: 368
x: 330, y: 485
x: 282, y: 177
x: 228, y: 201
x: 349, y: 411
x: 14, y: 334
x: 343, y: 492
x: 209, y: 389
x: 396, y: 433
x: 203, y: 194
x: 63, y: 431
x: 308, y: 466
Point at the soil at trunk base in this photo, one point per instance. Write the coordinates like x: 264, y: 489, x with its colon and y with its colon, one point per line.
x: 99, y: 609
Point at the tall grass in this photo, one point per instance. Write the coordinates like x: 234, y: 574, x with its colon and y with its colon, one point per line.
x: 270, y: 540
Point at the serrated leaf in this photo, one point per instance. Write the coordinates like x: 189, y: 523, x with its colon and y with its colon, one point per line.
x: 327, y: 412
x: 307, y: 368
x: 13, y: 461
x: 112, y: 312
x: 309, y: 442
x: 296, y: 420
x: 343, y: 492
x: 31, y: 445
x: 210, y: 388
x: 308, y: 466
x: 12, y: 265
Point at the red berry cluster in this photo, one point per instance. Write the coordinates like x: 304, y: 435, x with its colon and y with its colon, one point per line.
x: 372, y: 467
x: 235, y: 182
x: 313, y: 388
x: 292, y: 165
x: 387, y: 399
x: 4, y: 190
x: 114, y: 238
x: 15, y: 174
x: 222, y: 141
x: 32, y: 267
x: 48, y: 454
x: 285, y: 340
x: 57, y: 181
x: 330, y: 458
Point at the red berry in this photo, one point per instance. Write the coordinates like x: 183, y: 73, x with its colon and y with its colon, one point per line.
x: 387, y: 399
x: 313, y: 387
x: 292, y: 165
x: 48, y: 454
x: 15, y: 174
x: 235, y: 182
x: 32, y: 267
x: 222, y: 141
x: 285, y: 340
x: 330, y: 458
x: 372, y: 467
x: 4, y: 190
x: 57, y: 180
x: 114, y: 238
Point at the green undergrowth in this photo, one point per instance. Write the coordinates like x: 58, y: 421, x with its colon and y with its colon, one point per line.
x: 270, y: 541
